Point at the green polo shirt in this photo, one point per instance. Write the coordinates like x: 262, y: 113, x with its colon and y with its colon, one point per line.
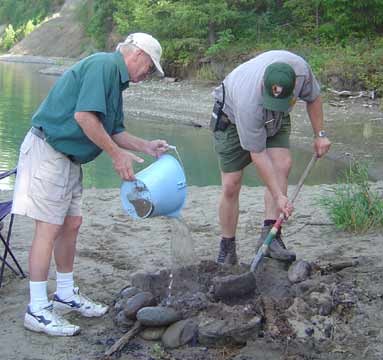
x: 93, y: 84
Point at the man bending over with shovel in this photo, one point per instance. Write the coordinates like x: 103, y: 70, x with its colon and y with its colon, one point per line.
x: 251, y: 124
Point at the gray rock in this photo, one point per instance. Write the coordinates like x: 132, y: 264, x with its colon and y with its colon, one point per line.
x: 129, y: 292
x: 233, y: 285
x: 138, y: 302
x: 179, y: 333
x: 122, y: 321
x: 217, y: 332
x: 299, y: 271
x: 304, y: 288
x: 153, y: 333
x: 157, y: 316
x: 325, y: 308
x: 271, y: 278
x: 119, y: 305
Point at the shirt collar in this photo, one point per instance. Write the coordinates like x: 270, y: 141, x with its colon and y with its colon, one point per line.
x: 124, y: 75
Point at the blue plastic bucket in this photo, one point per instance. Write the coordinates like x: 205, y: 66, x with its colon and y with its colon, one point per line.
x: 159, y: 190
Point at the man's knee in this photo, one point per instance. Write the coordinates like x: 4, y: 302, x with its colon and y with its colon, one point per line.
x: 231, y: 188
x: 284, y: 166
x: 73, y: 223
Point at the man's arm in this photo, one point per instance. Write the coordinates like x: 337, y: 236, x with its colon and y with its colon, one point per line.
x: 94, y: 130
x: 315, y: 112
x: 131, y: 142
x: 267, y: 173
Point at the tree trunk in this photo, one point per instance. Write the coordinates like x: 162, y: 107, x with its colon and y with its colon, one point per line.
x: 212, y: 36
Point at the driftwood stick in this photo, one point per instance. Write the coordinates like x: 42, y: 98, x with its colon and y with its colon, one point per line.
x: 342, y: 265
x: 334, y: 267
x: 119, y: 344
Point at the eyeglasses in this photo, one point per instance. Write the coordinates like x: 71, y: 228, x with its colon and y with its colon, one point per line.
x: 152, y: 69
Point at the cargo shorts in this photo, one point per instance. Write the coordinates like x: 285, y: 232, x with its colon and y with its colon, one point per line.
x: 232, y: 157
x: 48, y: 185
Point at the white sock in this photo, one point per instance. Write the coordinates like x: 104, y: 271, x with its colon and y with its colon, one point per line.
x: 38, y: 294
x: 65, y: 285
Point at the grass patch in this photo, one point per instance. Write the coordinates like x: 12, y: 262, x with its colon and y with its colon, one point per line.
x: 206, y: 72
x: 354, y: 206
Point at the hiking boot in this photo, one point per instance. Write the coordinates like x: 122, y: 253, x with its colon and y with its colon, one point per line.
x: 80, y: 303
x: 49, y: 322
x: 277, y: 249
x: 227, y: 253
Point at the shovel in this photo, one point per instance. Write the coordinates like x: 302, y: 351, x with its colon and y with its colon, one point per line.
x: 230, y: 286
x: 270, y: 237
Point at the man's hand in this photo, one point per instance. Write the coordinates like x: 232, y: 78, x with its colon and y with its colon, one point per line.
x: 284, y: 205
x: 123, y: 164
x: 321, y: 146
x: 157, y: 147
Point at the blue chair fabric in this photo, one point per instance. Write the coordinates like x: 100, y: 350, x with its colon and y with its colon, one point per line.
x: 5, y: 210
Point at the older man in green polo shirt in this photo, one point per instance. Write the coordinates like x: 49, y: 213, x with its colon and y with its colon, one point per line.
x: 81, y: 117
x: 251, y: 124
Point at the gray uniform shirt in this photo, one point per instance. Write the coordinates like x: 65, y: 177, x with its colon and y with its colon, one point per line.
x: 243, y: 97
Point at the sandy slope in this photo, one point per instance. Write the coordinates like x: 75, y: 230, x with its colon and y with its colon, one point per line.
x: 60, y: 36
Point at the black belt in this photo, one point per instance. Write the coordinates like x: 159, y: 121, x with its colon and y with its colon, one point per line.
x: 40, y: 133
x: 225, y: 118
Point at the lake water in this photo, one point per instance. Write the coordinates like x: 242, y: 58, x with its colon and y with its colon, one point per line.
x: 150, y: 113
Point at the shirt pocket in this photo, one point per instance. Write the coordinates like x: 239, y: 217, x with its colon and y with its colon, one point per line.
x: 50, y: 180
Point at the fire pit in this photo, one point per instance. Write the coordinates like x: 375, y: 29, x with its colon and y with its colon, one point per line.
x: 215, y: 305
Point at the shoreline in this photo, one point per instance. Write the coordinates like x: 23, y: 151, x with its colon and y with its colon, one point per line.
x: 199, y: 115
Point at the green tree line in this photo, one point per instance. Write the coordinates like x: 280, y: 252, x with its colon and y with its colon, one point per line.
x: 341, y: 37
x: 212, y: 26
x: 335, y: 35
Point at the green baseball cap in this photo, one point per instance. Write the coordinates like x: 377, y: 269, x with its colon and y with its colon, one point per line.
x: 279, y: 83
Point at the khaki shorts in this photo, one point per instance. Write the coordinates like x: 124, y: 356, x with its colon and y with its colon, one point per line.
x: 48, y: 185
x: 232, y: 157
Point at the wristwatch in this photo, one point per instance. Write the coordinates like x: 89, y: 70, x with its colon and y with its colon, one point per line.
x: 322, y: 134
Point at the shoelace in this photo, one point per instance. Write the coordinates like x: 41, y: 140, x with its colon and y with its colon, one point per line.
x: 58, y: 320
x: 84, y: 300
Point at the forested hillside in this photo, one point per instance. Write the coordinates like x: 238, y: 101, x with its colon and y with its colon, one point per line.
x: 341, y: 39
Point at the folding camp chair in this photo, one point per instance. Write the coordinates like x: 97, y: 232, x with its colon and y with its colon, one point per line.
x: 5, y: 210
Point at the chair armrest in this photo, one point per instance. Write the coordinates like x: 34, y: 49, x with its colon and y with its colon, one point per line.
x: 7, y: 173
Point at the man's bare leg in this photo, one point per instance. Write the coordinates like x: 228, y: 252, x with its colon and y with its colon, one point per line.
x: 281, y: 159
x: 229, y: 202
x: 40, y: 316
x: 41, y: 250
x: 228, y: 216
x: 65, y: 244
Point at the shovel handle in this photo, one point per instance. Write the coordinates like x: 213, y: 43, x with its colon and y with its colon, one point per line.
x: 310, y: 165
x: 273, y: 231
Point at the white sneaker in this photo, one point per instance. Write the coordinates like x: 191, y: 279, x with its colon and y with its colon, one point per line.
x: 80, y: 303
x: 48, y: 322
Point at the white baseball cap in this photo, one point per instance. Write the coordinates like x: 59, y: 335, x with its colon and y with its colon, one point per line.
x: 148, y: 44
